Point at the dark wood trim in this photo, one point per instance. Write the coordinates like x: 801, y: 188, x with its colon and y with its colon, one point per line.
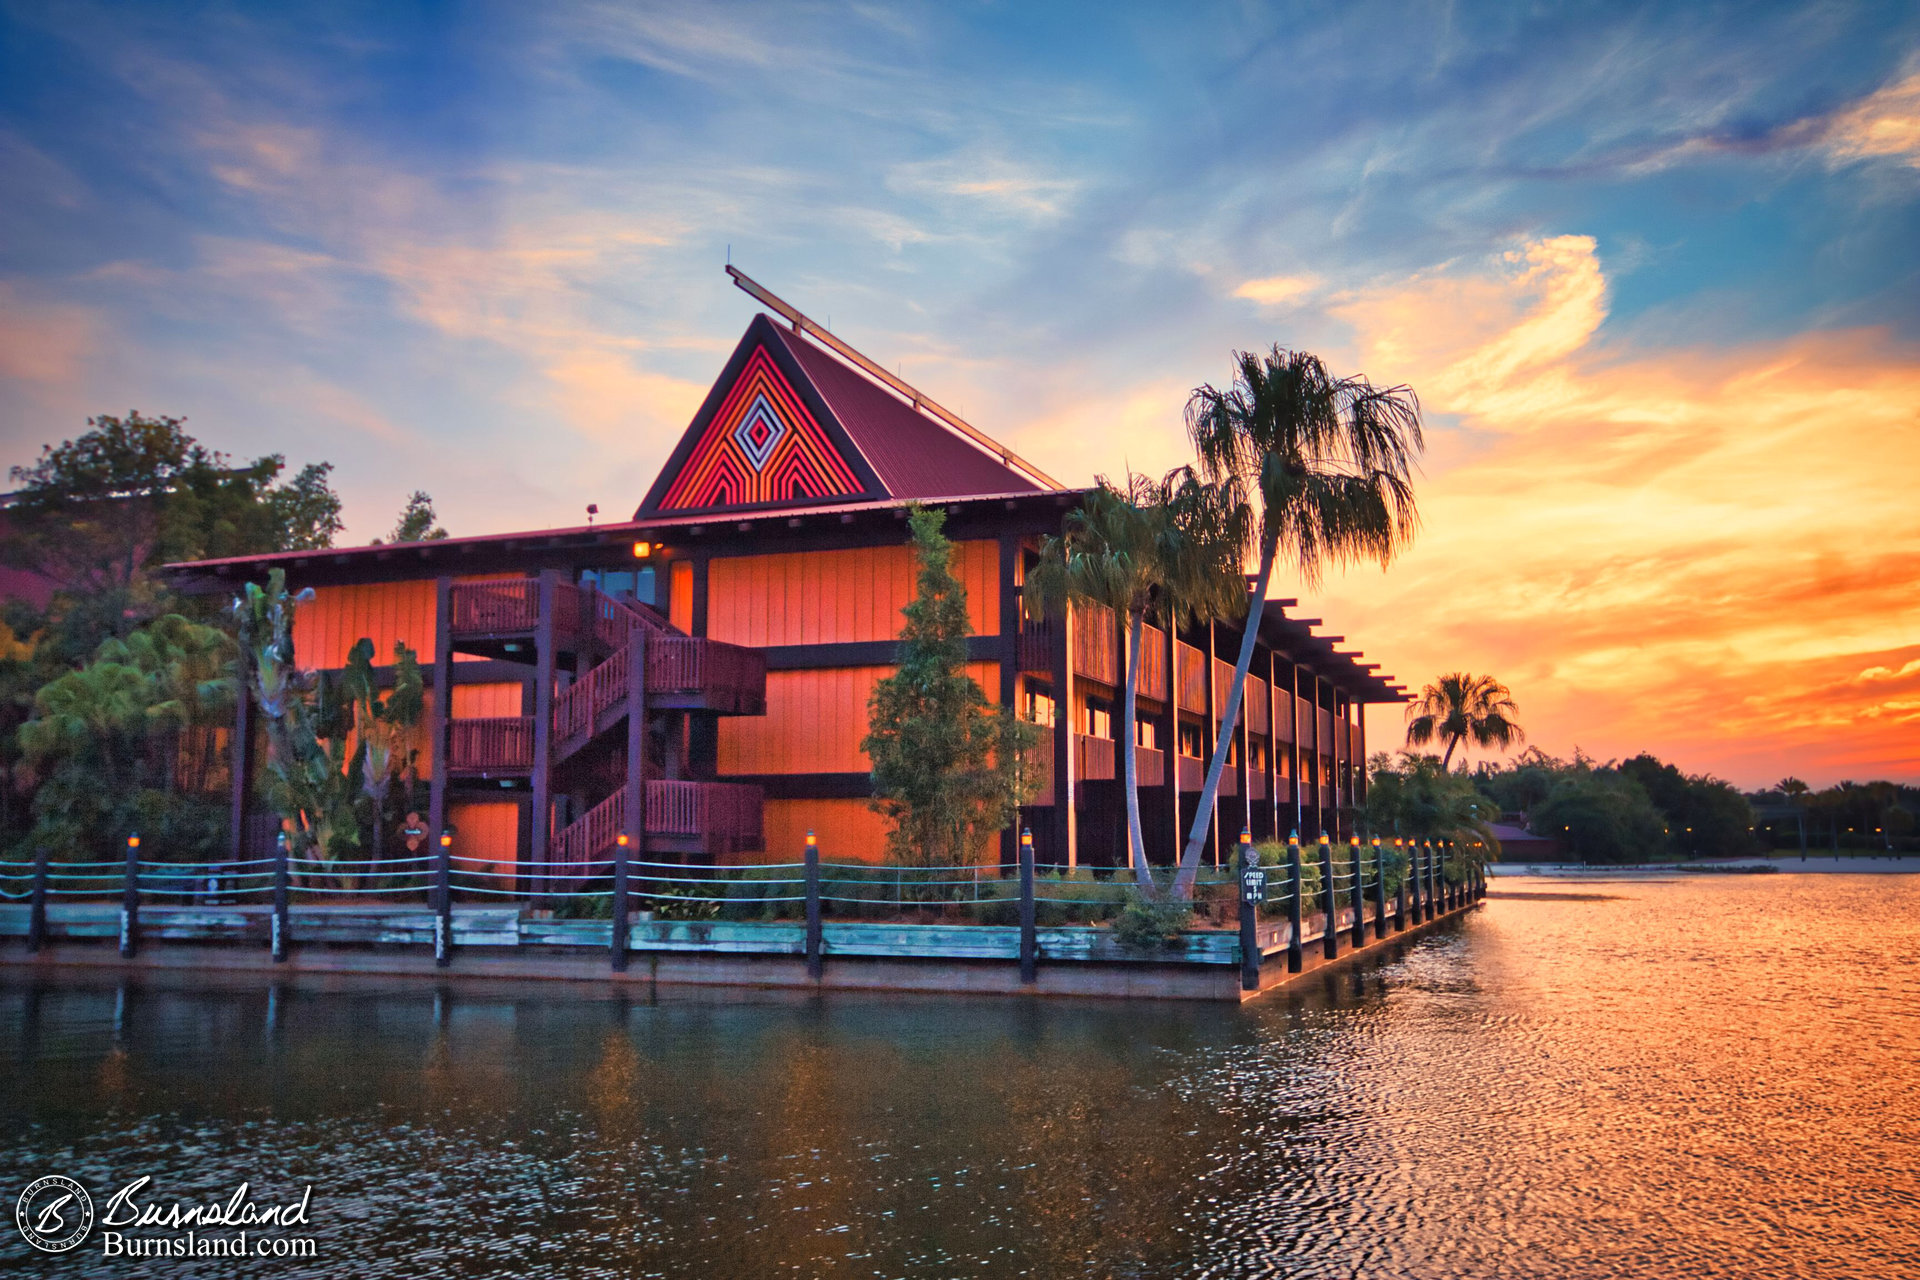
x: 543, y: 673
x: 871, y: 653
x: 1066, y: 822
x: 1170, y: 728
x: 1207, y: 741
x: 442, y: 707
x: 697, y: 608
x: 1009, y: 646
x: 808, y: 786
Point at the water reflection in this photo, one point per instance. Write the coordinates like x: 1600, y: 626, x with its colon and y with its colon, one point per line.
x: 1699, y: 1079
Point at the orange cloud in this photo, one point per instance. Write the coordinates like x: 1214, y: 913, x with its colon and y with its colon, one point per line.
x: 1705, y: 553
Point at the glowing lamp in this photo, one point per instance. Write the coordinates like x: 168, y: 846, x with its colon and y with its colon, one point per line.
x: 641, y: 550
x: 133, y: 840
x: 446, y: 837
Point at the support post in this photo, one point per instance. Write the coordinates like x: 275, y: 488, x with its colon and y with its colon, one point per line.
x: 130, y: 900
x: 1009, y: 566
x: 37, y: 908
x: 1066, y: 820
x: 443, y: 899
x: 634, y: 839
x: 617, y: 935
x: 1252, y: 892
x: 1029, y: 933
x: 540, y: 836
x: 1273, y: 746
x: 815, y: 964
x: 1329, y: 901
x: 1359, y: 894
x: 1379, y: 892
x: 441, y: 709
x: 1170, y: 725
x: 1400, y: 898
x: 279, y: 927
x: 1296, y: 959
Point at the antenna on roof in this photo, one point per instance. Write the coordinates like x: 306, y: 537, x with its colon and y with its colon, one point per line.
x: 801, y: 324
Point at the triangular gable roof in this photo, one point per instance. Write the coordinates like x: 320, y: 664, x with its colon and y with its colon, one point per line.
x: 789, y: 425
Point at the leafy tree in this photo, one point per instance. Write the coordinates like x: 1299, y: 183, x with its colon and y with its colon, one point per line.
x: 1419, y: 798
x: 383, y: 723
x: 1330, y: 461
x: 1601, y: 814
x: 1704, y: 816
x: 417, y: 522
x: 948, y: 767
x: 98, y: 513
x: 109, y: 743
x: 1169, y: 548
x: 1460, y: 708
x: 1796, y: 793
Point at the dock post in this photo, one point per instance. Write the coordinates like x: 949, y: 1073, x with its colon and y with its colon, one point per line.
x: 37, y: 908
x: 1296, y: 960
x: 1329, y: 901
x: 1400, y: 896
x: 443, y: 900
x: 815, y: 963
x: 1359, y: 895
x: 130, y: 900
x: 1379, y: 892
x: 1253, y: 887
x: 1029, y: 933
x: 278, y: 924
x: 617, y: 936
x: 1432, y: 884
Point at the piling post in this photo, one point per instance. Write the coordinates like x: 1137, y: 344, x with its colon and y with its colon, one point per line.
x: 130, y: 900
x: 1329, y: 901
x: 815, y: 964
x: 1400, y: 895
x: 1296, y: 960
x: 278, y: 924
x: 37, y: 907
x: 1029, y: 933
x: 1379, y: 892
x: 443, y: 899
x: 1253, y: 892
x: 617, y: 938
x: 1433, y: 884
x: 1359, y: 895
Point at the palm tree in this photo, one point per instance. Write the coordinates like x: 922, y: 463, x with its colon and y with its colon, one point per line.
x: 1464, y: 707
x: 1169, y: 548
x: 1796, y: 793
x: 1331, y: 461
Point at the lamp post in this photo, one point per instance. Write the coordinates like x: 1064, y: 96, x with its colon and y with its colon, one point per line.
x: 443, y: 899
x: 617, y: 943
x: 130, y: 899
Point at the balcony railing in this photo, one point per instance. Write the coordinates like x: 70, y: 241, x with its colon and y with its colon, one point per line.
x: 707, y: 817
x: 499, y: 606
x: 492, y: 744
x: 1093, y: 758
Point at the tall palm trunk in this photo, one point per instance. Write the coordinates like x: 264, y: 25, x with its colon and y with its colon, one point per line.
x: 1130, y: 764
x: 1446, y: 761
x: 1209, y: 794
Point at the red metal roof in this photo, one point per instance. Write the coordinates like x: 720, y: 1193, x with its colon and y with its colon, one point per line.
x: 914, y: 454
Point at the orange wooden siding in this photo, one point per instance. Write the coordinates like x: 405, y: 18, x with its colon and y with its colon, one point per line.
x: 848, y: 831
x: 474, y: 701
x: 326, y: 627
x: 490, y: 831
x: 680, y: 595
x: 836, y: 597
x: 815, y: 721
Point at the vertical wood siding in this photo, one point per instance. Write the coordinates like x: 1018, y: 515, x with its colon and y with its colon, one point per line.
x: 489, y: 830
x: 815, y: 721
x: 325, y: 628
x: 475, y: 701
x: 836, y: 597
x: 680, y: 595
x: 848, y: 831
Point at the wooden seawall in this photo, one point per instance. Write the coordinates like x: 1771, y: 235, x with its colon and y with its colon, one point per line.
x: 510, y: 942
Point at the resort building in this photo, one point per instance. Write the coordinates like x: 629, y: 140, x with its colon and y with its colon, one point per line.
x: 709, y: 661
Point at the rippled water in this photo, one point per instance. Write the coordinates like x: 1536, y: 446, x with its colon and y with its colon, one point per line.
x: 1684, y: 1079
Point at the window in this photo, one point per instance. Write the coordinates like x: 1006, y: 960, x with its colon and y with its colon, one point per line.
x: 634, y: 583
x: 1145, y: 733
x: 1190, y: 740
x: 1039, y: 704
x: 1099, y: 718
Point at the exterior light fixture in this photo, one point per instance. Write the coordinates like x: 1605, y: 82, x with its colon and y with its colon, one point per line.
x: 446, y: 837
x: 133, y: 840
x: 621, y: 839
x: 641, y: 550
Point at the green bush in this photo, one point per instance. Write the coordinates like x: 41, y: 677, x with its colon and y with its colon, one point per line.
x: 1150, y: 926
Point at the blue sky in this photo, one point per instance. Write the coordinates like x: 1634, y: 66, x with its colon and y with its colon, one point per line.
x: 477, y: 249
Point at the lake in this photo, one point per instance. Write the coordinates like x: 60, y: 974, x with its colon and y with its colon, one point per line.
x: 1710, y: 1077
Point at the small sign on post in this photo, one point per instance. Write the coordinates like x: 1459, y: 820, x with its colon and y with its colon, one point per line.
x: 1253, y: 892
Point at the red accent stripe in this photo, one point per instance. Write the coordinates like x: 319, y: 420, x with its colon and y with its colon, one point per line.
x: 804, y: 465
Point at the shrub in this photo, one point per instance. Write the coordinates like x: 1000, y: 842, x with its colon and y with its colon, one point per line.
x: 1150, y: 926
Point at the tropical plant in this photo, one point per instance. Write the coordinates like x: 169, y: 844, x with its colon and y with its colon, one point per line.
x: 1461, y: 707
x: 1170, y: 549
x: 1418, y: 798
x: 1330, y: 461
x: 948, y: 767
x: 1796, y: 793
x: 383, y: 724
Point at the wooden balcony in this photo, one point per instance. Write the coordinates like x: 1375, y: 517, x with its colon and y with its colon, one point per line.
x: 1151, y: 766
x: 712, y: 819
x: 495, y: 609
x: 1094, y: 759
x: 490, y: 746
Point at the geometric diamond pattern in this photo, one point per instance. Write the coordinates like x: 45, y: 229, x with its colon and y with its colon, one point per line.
x: 759, y: 433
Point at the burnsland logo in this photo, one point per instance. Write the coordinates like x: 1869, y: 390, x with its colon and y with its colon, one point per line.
x: 54, y: 1213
